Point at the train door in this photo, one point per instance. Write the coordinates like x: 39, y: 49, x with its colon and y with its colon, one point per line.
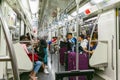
x: 107, y: 29
x: 104, y: 57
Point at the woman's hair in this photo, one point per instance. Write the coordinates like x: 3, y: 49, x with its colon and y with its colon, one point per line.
x: 95, y: 36
x: 82, y: 36
x: 28, y: 36
x: 22, y: 37
x: 94, y: 43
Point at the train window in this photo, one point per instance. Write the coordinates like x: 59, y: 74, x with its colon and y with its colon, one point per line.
x: 16, y: 34
x: 88, y: 25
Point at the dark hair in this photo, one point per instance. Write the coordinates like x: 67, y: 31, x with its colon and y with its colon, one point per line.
x: 88, y: 36
x: 82, y: 36
x: 69, y: 34
x: 55, y: 37
x: 95, y: 35
x: 22, y: 37
x: 28, y: 36
x: 94, y: 43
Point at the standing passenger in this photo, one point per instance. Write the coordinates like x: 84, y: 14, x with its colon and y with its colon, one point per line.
x: 71, y: 41
x: 83, y: 43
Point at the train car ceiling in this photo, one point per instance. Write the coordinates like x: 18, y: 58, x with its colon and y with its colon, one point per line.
x: 94, y: 9
x: 48, y: 8
x: 96, y: 1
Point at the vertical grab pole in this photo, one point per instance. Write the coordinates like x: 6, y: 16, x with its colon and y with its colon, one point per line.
x: 77, y: 28
x: 32, y: 44
x: 58, y: 11
x: 58, y: 54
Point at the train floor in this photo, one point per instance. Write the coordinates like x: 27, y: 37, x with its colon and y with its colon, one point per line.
x: 53, y: 67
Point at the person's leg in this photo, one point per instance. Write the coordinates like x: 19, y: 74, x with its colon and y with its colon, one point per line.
x: 43, y: 66
x: 37, y: 66
x: 33, y: 75
x: 46, y: 61
x: 46, y: 55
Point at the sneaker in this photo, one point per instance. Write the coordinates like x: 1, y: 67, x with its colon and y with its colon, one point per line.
x: 46, y: 71
x: 56, y: 52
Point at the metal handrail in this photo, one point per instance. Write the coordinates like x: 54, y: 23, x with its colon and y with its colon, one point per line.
x: 93, y: 31
x: 10, y: 47
x: 26, y: 20
x: 99, y: 41
x: 112, y: 46
x: 20, y: 10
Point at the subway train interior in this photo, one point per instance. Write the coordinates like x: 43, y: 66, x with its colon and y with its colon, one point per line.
x: 59, y: 39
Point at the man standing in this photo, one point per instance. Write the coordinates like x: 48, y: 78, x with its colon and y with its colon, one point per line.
x: 71, y: 42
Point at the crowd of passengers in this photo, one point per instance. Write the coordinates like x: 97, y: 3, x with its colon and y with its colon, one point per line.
x: 39, y: 48
x: 70, y: 42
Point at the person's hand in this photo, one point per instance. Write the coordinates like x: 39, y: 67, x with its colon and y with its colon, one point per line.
x: 86, y: 51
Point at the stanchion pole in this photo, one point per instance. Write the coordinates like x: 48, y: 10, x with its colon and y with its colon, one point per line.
x: 58, y: 11
x: 77, y: 30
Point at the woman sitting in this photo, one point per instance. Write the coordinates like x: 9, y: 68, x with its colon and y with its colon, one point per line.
x: 37, y: 63
x: 90, y: 49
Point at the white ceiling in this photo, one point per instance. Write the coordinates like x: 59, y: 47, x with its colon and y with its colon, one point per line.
x: 50, y: 6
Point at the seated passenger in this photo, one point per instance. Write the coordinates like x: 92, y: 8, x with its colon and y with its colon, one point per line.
x: 42, y: 52
x: 95, y: 36
x: 37, y: 63
x: 29, y: 37
x: 90, y: 49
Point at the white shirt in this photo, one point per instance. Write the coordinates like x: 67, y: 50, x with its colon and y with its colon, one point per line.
x: 84, y: 43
